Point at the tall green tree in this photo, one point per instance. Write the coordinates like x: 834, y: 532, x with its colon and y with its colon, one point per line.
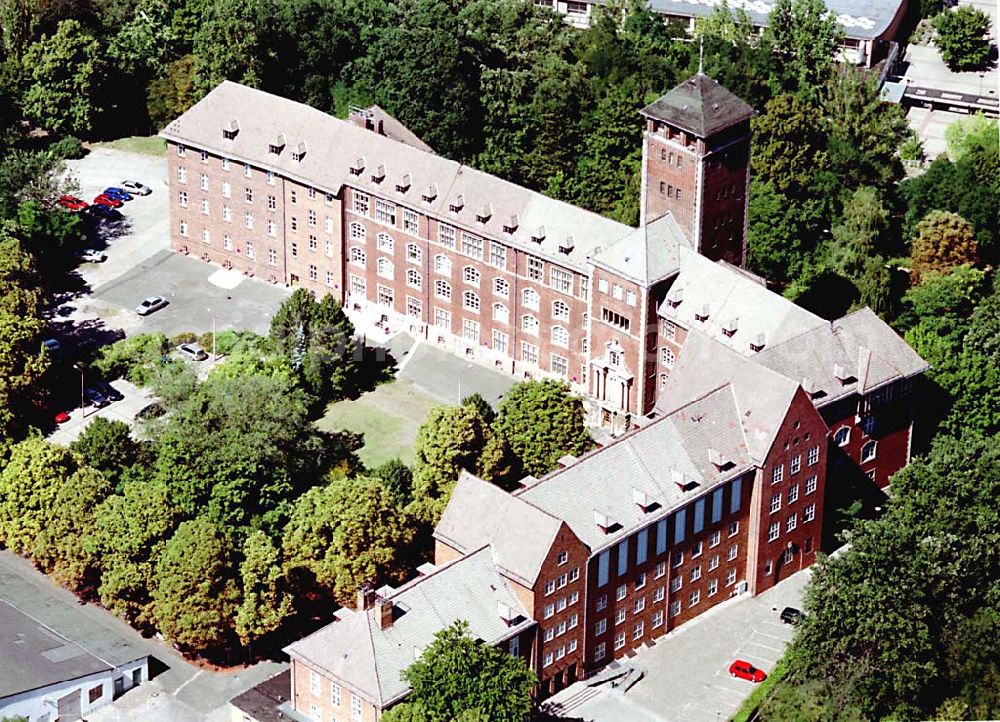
x: 265, y: 602
x: 944, y: 240
x: 228, y: 44
x: 108, y: 446
x: 805, y: 35
x: 195, y: 597
x: 457, y: 676
x: 963, y: 37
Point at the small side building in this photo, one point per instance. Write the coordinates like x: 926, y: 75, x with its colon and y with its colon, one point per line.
x: 48, y: 677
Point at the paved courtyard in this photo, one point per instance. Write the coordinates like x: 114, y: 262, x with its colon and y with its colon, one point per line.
x: 687, y: 672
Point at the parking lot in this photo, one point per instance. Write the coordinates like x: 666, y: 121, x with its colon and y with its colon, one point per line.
x: 686, y: 673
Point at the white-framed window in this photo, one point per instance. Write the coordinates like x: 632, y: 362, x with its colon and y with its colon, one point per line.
x: 183, y: 228
x: 227, y: 242
x: 694, y: 597
x: 181, y: 174
x: 204, y: 182
x: 385, y: 212
x: 676, y: 559
x: 501, y: 287
x: 529, y: 353
x: 498, y: 255
x: 630, y: 297
x: 500, y: 313
x: 500, y: 342
x: 560, y: 310
x: 470, y: 275
x: 535, y: 269
x: 842, y: 436
x: 549, y: 659
x: 385, y: 295
x: 773, y: 531
x: 529, y: 324
x: 356, y: 231
x: 181, y: 150
x: 676, y: 583
x: 560, y: 604
x: 182, y: 199
x: 384, y: 268
x: 385, y: 243
x: 530, y: 298
x: 314, y: 713
x: 470, y: 301
x: 335, y: 694
x: 272, y: 228
x: 293, y: 223
x: 775, y: 502
x: 730, y: 577
x: 809, y: 513
x: 713, y: 563
x: 559, y: 365
x: 813, y: 456
x: 446, y: 235
x: 675, y: 608
x: 360, y: 203
x: 247, y: 170
x: 328, y: 224
x: 621, y: 592
x: 657, y: 618
x: 638, y: 605
x: 413, y: 253
x: 271, y: 179
x: 250, y: 252
x: 574, y: 597
x: 868, y: 451
x: 601, y: 627
x: 713, y: 587
x: 311, y: 218
x: 357, y: 256
x: 667, y: 356
x: 714, y: 539
x: 696, y: 549
x: 355, y: 707
x: 795, y: 464
x: 414, y: 308
x: 561, y: 280
x: 225, y: 163
x: 314, y: 681
x: 734, y: 528
x: 227, y: 191
x: 560, y: 336
x: 411, y: 222
x: 617, y: 292
x: 637, y: 630
x: 599, y: 652
x: 793, y: 494
x: 574, y: 574
x: 659, y: 570
x: 206, y: 236
x: 550, y: 634
x: 313, y: 272
x: 550, y: 609
x: 472, y: 246
x: 442, y: 289
x: 811, y: 483
x: 602, y: 603
x: 732, y: 552
x: 204, y: 206
x: 413, y: 279
x: 791, y: 522
x: 248, y: 194
x: 619, y: 640
x: 358, y: 286
x: 659, y: 594
x: 696, y: 573
x: 442, y: 264
x: 330, y: 279
x: 777, y: 473
x: 670, y: 330
x: 227, y: 214
x: 313, y: 244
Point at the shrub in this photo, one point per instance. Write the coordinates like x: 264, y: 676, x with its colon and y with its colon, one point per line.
x: 68, y: 147
x: 132, y: 358
x: 963, y: 37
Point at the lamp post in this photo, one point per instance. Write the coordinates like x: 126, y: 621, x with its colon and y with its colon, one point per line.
x: 214, y: 357
x: 83, y: 407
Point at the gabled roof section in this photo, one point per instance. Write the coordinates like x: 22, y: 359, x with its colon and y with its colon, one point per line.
x: 715, y: 294
x: 334, y: 145
x: 866, y: 348
x: 762, y: 396
x: 481, y: 513
x: 368, y: 660
x: 649, y: 464
x: 393, y: 128
x: 649, y: 253
x: 699, y: 105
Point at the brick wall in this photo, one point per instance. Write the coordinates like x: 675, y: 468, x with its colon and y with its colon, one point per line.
x: 725, y: 174
x: 670, y: 174
x: 316, y: 695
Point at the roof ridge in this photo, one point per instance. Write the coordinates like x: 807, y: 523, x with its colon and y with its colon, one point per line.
x: 57, y: 633
x: 369, y: 620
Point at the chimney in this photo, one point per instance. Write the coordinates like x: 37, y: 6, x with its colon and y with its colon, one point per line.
x: 729, y: 327
x: 641, y: 499
x: 757, y: 345
x: 675, y: 297
x: 383, y: 612
x: 507, y: 614
x: 703, y: 313
x: 716, y: 458
x: 840, y: 371
x: 366, y: 597
x: 602, y: 521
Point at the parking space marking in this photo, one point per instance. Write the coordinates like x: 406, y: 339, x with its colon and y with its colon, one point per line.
x: 766, y: 646
x: 782, y: 625
x: 766, y: 660
x: 772, y: 636
x: 727, y: 689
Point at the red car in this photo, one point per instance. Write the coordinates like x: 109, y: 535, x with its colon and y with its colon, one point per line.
x: 62, y: 417
x: 73, y: 203
x: 103, y: 200
x: 745, y: 670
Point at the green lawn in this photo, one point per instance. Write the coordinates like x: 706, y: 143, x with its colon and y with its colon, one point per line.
x: 146, y: 145
x: 389, y: 418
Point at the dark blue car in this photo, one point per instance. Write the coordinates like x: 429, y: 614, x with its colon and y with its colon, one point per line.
x: 118, y: 193
x: 108, y: 214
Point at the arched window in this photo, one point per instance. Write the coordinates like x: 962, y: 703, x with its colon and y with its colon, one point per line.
x: 667, y: 356
x: 358, y: 256
x: 868, y: 451
x: 384, y: 268
x: 442, y: 289
x: 357, y: 232
x: 500, y: 313
x: 413, y: 254
x: 470, y: 275
x: 385, y: 242
x: 413, y: 278
x: 529, y: 324
x: 560, y: 310
x: 530, y: 298
x: 470, y: 301
x: 442, y: 265
x: 842, y: 436
x: 560, y: 336
x: 501, y: 288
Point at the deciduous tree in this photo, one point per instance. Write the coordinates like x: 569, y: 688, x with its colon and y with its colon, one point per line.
x: 944, y: 240
x: 963, y: 37
x: 29, y: 485
x: 265, y: 602
x: 108, y: 446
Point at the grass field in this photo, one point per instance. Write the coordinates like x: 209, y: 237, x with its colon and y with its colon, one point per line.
x: 389, y: 418
x: 137, y: 144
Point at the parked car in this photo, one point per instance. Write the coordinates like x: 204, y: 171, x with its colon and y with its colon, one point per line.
x: 745, y: 670
x: 109, y: 391
x: 90, y: 255
x: 150, y: 304
x: 136, y: 188
x: 118, y: 193
x: 95, y: 397
x: 106, y: 212
x: 61, y: 418
x: 791, y: 615
x: 106, y: 200
x: 52, y: 345
x: 192, y: 351
x: 72, y: 203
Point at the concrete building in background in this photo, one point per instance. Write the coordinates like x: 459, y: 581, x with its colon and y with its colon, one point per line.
x: 47, y: 677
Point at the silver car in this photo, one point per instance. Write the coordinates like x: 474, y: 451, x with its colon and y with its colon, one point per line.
x: 150, y: 304
x: 90, y: 255
x: 192, y: 351
x: 136, y: 188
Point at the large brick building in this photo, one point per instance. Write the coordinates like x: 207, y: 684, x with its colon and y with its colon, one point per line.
x: 735, y: 407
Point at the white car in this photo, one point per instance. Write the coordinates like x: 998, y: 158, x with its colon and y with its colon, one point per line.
x: 192, y: 351
x: 90, y: 255
x: 150, y: 304
x: 136, y: 188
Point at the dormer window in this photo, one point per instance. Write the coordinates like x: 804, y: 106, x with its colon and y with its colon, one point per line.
x: 539, y: 235
x: 566, y: 247
x: 702, y: 313
x: 602, y: 521
x: 230, y: 130
x: 716, y: 458
x: 404, y: 184
x: 299, y: 153
x: 757, y: 345
x: 379, y: 174
x: 730, y: 327
x: 643, y: 500
x: 458, y: 204
x: 484, y: 214
x: 430, y: 194
x: 510, y: 225
x: 277, y: 145
x: 358, y: 167
x: 675, y: 297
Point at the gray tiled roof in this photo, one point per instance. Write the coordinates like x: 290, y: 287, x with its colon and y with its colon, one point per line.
x: 33, y: 656
x: 392, y: 128
x: 333, y: 145
x: 646, y: 460
x: 699, y: 105
x: 648, y: 253
x: 813, y: 354
x: 481, y: 513
x: 369, y: 660
x: 729, y: 293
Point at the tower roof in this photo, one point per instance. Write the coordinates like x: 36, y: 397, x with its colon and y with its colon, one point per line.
x: 699, y: 105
